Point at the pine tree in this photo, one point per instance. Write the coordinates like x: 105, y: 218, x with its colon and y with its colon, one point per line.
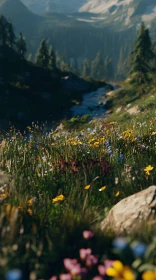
x: 122, y: 65
x: 142, y: 54
x: 108, y: 68
x: 3, y: 31
x: 42, y: 57
x: 30, y: 57
x: 11, y: 35
x: 21, y: 46
x: 52, y: 59
x: 86, y: 68
x: 97, y: 67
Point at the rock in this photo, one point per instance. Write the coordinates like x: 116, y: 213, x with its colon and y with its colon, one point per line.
x: 132, y: 212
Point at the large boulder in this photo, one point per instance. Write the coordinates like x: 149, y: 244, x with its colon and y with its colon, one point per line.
x: 132, y: 212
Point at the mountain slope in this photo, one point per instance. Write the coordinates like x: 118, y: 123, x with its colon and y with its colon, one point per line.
x: 55, y: 6
x: 19, y: 14
x: 126, y: 12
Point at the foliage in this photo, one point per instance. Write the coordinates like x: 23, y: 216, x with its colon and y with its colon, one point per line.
x: 142, y: 54
x: 42, y: 57
x: 49, y: 205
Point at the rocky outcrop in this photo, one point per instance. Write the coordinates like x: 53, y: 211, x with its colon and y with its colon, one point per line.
x: 133, y: 212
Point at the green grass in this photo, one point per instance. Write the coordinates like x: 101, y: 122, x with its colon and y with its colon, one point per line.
x: 36, y: 234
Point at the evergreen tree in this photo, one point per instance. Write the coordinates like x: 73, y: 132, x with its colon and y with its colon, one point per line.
x: 97, y: 67
x: 42, y: 58
x: 122, y: 65
x: 30, y: 57
x: 142, y: 54
x: 3, y: 31
x: 86, y: 68
x: 11, y: 35
x: 21, y: 46
x: 108, y: 68
x: 52, y: 59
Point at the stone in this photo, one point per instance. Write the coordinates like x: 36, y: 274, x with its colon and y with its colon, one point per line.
x: 132, y: 212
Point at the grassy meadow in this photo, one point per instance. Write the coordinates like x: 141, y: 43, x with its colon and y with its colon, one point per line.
x: 55, y: 189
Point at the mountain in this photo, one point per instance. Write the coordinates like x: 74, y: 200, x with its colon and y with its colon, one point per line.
x: 123, y: 12
x: 23, y: 19
x: 55, y: 6
x: 126, y: 12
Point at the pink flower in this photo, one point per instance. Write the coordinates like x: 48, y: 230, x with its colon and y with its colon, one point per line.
x: 102, y: 270
x: 91, y: 260
x: 69, y: 263
x: 84, y: 253
x: 65, y: 277
x: 98, y: 277
x: 75, y: 270
x: 108, y: 263
x: 53, y: 278
x: 87, y: 234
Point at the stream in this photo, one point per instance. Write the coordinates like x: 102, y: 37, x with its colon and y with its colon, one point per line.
x: 93, y: 103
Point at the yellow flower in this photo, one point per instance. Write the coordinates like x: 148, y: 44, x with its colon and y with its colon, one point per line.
x: 154, y: 133
x: 112, y: 123
x: 30, y: 211
x: 87, y: 187
x: 149, y: 275
x: 117, y: 194
x: 120, y: 272
x: 58, y: 198
x: 30, y: 202
x: 96, y: 144
x: 102, y: 189
x: 148, y: 169
x: 3, y: 195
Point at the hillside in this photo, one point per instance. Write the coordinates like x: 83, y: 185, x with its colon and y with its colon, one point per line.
x: 23, y: 19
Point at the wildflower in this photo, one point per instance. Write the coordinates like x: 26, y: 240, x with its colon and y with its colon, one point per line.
x: 91, y: 260
x: 30, y: 211
x: 120, y: 243
x: 102, y: 270
x: 87, y: 187
x: 30, y: 202
x: 3, y: 195
x: 58, y: 198
x: 65, y: 277
x: 84, y: 253
x: 120, y: 272
x: 149, y: 275
x: 87, y: 234
x: 69, y: 263
x: 139, y: 249
x: 53, y: 278
x: 14, y: 274
x: 117, y: 194
x: 98, y: 277
x: 111, y: 123
x: 102, y: 189
x: 148, y: 169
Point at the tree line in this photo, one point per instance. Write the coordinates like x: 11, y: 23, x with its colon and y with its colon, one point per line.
x: 142, y: 59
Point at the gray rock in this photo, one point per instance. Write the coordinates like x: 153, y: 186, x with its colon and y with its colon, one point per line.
x: 132, y: 212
